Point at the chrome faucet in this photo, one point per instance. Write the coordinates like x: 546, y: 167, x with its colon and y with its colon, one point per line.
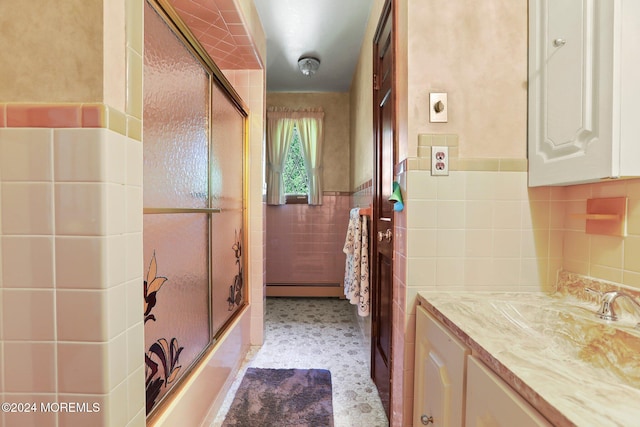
x: 606, y: 310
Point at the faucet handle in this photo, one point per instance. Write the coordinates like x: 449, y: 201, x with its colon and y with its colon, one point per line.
x: 606, y: 300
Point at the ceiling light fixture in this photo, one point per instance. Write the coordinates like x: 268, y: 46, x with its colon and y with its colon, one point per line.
x: 308, y: 65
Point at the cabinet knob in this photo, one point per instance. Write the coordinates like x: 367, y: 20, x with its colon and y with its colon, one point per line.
x: 426, y: 419
x: 559, y: 42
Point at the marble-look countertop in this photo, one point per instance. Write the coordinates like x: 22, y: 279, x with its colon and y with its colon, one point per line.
x: 572, y: 367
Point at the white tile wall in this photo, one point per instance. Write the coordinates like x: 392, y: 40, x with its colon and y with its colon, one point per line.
x: 477, y: 230
x: 71, y: 272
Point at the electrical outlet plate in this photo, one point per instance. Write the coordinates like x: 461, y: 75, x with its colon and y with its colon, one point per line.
x: 439, y: 160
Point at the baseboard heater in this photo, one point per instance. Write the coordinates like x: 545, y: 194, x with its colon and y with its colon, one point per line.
x: 305, y: 290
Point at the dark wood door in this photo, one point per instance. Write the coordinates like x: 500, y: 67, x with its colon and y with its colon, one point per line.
x: 382, y: 235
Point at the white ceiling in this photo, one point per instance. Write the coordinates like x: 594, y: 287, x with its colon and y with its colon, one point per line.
x: 330, y: 30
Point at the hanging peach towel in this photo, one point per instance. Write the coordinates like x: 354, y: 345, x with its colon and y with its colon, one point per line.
x: 356, y: 274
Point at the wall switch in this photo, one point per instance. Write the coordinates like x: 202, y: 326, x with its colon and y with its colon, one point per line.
x: 438, y: 108
x: 439, y: 160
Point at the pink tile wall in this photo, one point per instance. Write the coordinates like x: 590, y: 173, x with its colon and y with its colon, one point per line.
x: 403, y: 336
x: 304, y: 243
x: 403, y: 330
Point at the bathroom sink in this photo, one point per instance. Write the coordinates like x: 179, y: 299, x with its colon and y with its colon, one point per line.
x: 569, y: 327
x: 560, y: 310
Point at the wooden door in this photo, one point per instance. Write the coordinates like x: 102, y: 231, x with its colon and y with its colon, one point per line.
x: 382, y: 224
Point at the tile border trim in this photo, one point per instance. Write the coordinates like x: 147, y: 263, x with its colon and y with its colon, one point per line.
x: 69, y: 115
x: 456, y: 163
x: 365, y: 185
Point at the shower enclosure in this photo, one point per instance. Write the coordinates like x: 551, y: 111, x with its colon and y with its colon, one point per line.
x: 194, y: 137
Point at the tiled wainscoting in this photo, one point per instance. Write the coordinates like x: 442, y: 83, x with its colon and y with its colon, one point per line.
x: 70, y: 280
x: 304, y: 243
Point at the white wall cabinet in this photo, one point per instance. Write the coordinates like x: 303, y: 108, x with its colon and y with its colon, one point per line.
x: 584, y: 90
x: 438, y: 398
x: 491, y: 402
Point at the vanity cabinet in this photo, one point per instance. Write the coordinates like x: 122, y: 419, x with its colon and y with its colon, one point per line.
x: 439, y: 374
x: 491, y: 402
x: 452, y: 388
x: 583, y: 90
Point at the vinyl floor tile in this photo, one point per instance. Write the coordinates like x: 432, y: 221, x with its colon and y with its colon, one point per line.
x: 319, y: 333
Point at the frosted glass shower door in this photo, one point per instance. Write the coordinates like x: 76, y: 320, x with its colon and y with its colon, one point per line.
x: 176, y: 221
x: 194, y: 213
x: 227, y: 172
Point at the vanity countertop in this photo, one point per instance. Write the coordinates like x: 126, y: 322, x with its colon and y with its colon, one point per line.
x: 572, y: 367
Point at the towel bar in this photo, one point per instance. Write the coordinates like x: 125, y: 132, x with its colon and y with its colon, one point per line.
x: 365, y: 211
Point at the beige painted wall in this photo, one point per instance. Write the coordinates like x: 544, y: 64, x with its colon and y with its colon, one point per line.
x: 480, y: 59
x: 483, y: 68
x: 61, y: 53
x: 335, y: 154
x: 361, y: 107
x: 252, y: 23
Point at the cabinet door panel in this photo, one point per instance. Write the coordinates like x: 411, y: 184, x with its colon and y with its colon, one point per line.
x: 570, y: 122
x: 437, y: 376
x: 492, y: 403
x: 567, y: 78
x: 439, y: 373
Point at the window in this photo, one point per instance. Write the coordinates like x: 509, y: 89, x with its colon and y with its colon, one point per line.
x: 294, y: 173
x: 302, y: 128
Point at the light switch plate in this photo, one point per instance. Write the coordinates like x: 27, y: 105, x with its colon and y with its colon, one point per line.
x: 438, y: 107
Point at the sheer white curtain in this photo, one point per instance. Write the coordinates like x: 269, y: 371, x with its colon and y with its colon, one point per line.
x: 279, y: 134
x: 311, y: 139
x: 280, y: 125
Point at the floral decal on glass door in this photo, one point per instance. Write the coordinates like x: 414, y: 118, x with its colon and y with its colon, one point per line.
x: 235, y: 290
x: 162, y: 352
